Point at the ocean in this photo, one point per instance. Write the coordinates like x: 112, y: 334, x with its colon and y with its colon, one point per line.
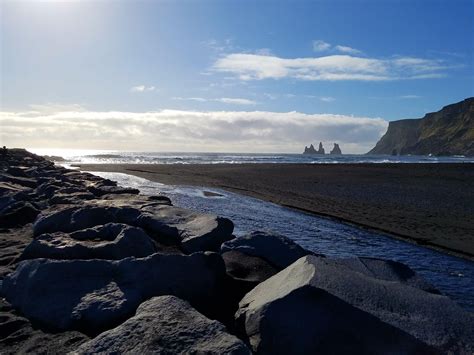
x: 123, y: 157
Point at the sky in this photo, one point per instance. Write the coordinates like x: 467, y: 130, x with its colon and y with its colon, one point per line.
x: 227, y: 76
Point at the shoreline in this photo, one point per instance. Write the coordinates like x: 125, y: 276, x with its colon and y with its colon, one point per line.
x: 427, y: 205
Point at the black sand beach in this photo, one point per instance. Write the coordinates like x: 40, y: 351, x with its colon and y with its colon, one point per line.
x: 430, y: 204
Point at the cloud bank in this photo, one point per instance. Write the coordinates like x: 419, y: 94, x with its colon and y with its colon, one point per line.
x: 173, y: 130
x: 329, y: 68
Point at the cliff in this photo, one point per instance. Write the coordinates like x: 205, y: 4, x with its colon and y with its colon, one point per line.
x: 449, y: 131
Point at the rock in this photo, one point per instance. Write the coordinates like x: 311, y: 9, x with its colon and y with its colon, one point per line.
x: 10, y: 188
x: 18, y: 336
x: 104, y: 190
x: 95, y: 295
x: 243, y: 267
x: 166, y: 325
x: 130, y: 200
x: 336, y: 150
x: 245, y: 273
x: 76, y: 218
x: 18, y: 214
x: 356, y: 306
x: 110, y: 241
x: 193, y: 230
x: 278, y: 250
x: 18, y: 180
x: 75, y: 198
x: 169, y: 225
x: 311, y: 149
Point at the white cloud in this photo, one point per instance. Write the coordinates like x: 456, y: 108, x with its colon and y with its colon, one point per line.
x: 346, y: 49
x: 320, y: 46
x: 225, y: 100
x: 236, y: 101
x: 329, y: 68
x: 410, y: 97
x: 142, y: 88
x: 173, y: 130
x: 327, y: 99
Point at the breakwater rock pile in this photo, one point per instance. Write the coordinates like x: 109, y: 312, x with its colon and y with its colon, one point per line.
x: 87, y: 266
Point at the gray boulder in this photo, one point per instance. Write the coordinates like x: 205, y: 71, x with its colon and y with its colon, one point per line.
x: 243, y: 267
x: 166, y: 325
x: 193, y: 230
x: 18, y: 336
x: 104, y: 190
x: 111, y: 241
x: 278, y: 250
x: 76, y: 218
x: 95, y: 295
x: 18, y: 214
x: 357, y: 306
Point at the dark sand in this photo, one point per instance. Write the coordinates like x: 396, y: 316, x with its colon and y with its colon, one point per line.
x: 430, y: 204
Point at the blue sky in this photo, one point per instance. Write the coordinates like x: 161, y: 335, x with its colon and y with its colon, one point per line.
x: 256, y: 70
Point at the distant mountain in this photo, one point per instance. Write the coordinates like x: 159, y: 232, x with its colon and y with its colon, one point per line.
x: 449, y: 131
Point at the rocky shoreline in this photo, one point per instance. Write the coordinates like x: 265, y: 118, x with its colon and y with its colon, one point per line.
x: 87, y: 266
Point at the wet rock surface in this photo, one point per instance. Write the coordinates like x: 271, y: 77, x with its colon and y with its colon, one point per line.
x: 87, y: 266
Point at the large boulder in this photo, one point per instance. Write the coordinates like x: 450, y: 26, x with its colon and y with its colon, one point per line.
x: 246, y: 268
x: 104, y: 190
x: 76, y: 218
x: 95, y: 295
x: 18, y: 180
x: 110, y: 241
x: 193, y: 230
x: 166, y: 325
x: 18, y: 214
x: 278, y: 250
x: 322, y: 305
x: 18, y: 336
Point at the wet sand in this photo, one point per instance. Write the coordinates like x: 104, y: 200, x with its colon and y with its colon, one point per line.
x: 429, y: 204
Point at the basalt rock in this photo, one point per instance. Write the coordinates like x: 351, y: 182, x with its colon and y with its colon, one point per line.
x: 95, y: 295
x: 278, y: 250
x: 19, y: 336
x: 357, y: 306
x: 18, y: 214
x: 110, y: 241
x: 166, y: 325
x: 76, y: 218
x: 336, y: 150
x: 192, y: 230
x: 311, y: 150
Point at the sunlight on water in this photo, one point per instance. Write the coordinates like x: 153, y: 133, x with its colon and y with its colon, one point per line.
x: 74, y: 156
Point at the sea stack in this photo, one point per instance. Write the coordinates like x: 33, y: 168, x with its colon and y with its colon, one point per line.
x: 336, y: 150
x: 311, y: 149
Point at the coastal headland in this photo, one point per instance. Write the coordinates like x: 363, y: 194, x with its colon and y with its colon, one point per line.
x: 429, y: 204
